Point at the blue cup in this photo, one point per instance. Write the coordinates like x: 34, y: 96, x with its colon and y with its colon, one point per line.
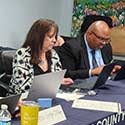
x: 45, y: 102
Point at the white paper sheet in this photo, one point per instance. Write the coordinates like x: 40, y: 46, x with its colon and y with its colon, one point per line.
x: 51, y: 116
x: 69, y: 96
x: 97, y: 105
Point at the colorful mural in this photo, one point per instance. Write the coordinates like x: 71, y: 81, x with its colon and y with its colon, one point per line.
x: 112, y: 8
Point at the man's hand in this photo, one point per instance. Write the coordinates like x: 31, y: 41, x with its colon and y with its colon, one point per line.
x: 97, y: 70
x: 116, y: 68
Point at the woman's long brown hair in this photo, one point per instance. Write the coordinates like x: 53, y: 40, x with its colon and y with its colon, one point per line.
x: 35, y: 37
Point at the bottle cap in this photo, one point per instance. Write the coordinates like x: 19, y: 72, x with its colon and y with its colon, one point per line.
x: 4, y: 106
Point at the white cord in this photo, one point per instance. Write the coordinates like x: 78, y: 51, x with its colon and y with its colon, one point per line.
x: 2, y: 75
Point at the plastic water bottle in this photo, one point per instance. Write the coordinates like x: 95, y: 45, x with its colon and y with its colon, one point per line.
x: 5, y: 116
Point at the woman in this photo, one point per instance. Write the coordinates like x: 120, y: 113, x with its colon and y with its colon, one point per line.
x: 36, y: 56
x: 60, y: 41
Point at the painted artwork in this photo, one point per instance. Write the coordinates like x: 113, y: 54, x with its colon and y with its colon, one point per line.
x: 112, y: 8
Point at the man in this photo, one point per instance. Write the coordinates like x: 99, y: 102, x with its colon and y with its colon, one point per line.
x: 76, y: 54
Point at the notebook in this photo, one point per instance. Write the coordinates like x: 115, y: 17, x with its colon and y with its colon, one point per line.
x: 94, y: 82
x: 11, y: 101
x: 46, y: 85
x: 120, y: 74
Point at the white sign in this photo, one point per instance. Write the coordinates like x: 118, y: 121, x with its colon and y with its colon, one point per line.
x: 97, y: 105
x: 51, y: 116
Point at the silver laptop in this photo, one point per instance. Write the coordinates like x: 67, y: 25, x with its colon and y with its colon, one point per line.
x: 11, y: 101
x: 46, y: 85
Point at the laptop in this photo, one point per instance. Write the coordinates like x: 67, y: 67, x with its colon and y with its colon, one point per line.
x: 94, y: 82
x: 46, y: 85
x: 11, y: 101
x: 120, y: 74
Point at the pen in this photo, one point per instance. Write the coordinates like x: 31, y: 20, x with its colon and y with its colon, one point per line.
x: 112, y: 61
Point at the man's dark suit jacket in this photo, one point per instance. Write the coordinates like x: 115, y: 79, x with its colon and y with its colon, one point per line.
x: 73, y: 56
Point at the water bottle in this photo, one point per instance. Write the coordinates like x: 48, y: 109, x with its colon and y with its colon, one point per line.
x: 5, y: 116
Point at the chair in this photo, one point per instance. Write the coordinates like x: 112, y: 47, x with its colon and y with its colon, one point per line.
x: 6, y: 58
x: 66, y: 38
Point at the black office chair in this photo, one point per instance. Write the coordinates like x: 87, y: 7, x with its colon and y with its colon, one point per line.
x: 6, y: 58
x: 66, y: 38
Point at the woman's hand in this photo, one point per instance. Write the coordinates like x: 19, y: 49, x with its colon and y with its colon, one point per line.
x: 67, y: 81
x: 17, y: 112
x: 59, y: 41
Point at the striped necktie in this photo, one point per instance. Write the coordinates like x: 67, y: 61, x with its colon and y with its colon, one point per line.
x: 94, y: 63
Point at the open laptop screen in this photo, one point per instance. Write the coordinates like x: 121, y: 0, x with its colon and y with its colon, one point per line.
x: 46, y: 85
x: 11, y: 101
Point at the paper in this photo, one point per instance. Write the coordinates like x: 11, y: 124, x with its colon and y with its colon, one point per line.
x: 97, y: 105
x: 69, y: 96
x: 51, y: 116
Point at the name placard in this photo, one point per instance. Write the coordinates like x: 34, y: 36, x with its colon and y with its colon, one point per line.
x: 51, y: 116
x: 97, y: 105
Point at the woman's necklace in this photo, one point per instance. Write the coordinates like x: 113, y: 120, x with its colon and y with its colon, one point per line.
x: 43, y: 59
x: 42, y: 62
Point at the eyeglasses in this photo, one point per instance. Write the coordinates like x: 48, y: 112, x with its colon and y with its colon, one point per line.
x: 104, y: 40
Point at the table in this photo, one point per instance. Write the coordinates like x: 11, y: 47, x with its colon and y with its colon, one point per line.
x: 112, y: 91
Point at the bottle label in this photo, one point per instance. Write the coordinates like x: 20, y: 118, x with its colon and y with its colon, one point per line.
x: 5, y: 122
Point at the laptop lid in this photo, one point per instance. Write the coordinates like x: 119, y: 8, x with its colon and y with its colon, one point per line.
x: 120, y: 74
x: 46, y: 85
x: 11, y: 101
x: 103, y: 76
x: 94, y: 82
